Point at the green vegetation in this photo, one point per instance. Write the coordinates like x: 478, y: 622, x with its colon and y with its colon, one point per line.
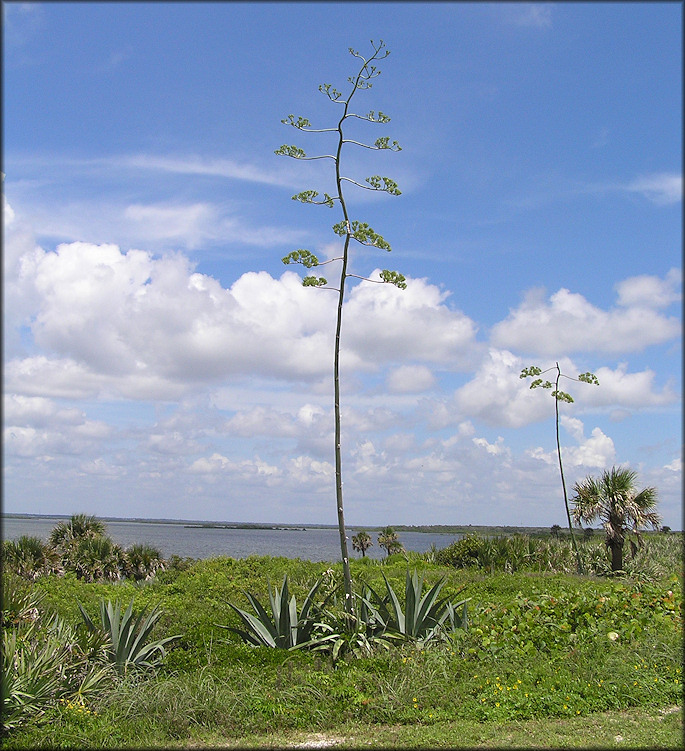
x: 609, y: 644
x: 284, y: 627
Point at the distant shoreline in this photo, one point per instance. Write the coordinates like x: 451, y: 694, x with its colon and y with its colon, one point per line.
x: 461, y: 529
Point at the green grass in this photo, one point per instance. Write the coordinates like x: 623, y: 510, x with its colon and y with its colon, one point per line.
x: 548, y: 660
x: 636, y: 728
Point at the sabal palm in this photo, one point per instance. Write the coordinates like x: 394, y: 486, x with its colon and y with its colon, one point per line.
x: 613, y: 498
x: 98, y: 558
x: 361, y: 542
x: 389, y: 540
x: 29, y: 557
x: 78, y: 527
x: 142, y: 561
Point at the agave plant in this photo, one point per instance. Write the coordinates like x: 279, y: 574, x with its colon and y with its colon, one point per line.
x: 283, y: 628
x: 337, y: 634
x: 423, y: 617
x: 127, y: 644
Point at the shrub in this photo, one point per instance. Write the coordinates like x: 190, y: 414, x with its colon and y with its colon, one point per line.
x: 462, y: 553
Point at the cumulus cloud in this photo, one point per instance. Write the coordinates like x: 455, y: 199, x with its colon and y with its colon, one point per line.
x: 154, y: 323
x: 244, y: 370
x: 385, y: 324
x: 567, y: 322
x: 650, y: 291
x: 628, y: 390
x: 498, y: 396
x: 218, y: 466
x: 37, y: 427
x: 595, y: 452
x: 410, y: 379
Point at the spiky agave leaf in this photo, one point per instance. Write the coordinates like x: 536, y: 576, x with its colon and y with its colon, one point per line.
x: 283, y: 628
x: 256, y: 632
x: 127, y: 636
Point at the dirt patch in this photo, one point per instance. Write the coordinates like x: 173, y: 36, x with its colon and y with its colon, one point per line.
x: 318, y: 740
x: 669, y: 710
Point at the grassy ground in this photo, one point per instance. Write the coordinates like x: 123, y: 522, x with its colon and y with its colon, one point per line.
x: 549, y: 660
x: 635, y: 728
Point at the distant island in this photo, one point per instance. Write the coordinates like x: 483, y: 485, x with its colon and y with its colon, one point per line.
x: 246, y: 525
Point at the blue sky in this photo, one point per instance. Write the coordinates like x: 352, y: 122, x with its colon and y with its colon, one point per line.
x: 159, y: 359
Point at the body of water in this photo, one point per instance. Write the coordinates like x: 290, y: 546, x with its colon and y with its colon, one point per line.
x: 312, y: 543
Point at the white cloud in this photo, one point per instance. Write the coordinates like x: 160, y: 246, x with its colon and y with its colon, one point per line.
x: 38, y: 426
x: 661, y: 188
x: 101, y: 469
x: 162, y: 222
x: 410, y: 379
x: 496, y: 448
x: 303, y: 471
x: 596, y: 452
x: 628, y: 390
x: 210, y: 465
x: 282, y: 174
x: 212, y: 167
x: 160, y: 226
x: 650, y: 291
x: 217, y: 466
x: 249, y: 367
x: 66, y: 378
x: 385, y: 324
x: 568, y: 323
x: 498, y: 396
x: 133, y: 323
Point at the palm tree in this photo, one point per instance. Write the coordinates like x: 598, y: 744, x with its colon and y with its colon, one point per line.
x: 67, y: 536
x: 142, y: 561
x: 554, y: 530
x: 361, y: 542
x: 29, y: 557
x: 78, y: 527
x: 613, y: 499
x: 389, y: 541
x: 98, y: 558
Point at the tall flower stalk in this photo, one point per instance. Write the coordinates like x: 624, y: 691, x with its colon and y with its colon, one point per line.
x: 349, y: 230
x: 560, y: 396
